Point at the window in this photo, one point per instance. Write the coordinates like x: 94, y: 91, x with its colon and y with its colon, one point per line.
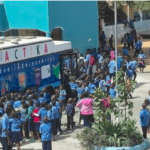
x: 137, y: 16
x: 146, y: 16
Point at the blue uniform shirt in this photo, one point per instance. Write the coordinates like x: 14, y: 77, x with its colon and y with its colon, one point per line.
x: 92, y: 88
x: 134, y: 64
x: 16, y: 124
x: 73, y: 86
x: 86, y: 89
x: 102, y: 84
x: 17, y: 104
x: 62, y: 94
x: 125, y: 51
x: 111, y: 66
x: 108, y: 79
x: 138, y: 45
x: 5, y: 125
x: 80, y: 91
x: 130, y: 73
x: 144, y: 117
x: 112, y: 93
x: 42, y: 100
x: 53, y: 113
x: 42, y: 113
x: 45, y: 130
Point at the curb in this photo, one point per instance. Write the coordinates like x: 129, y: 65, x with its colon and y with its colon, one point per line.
x: 142, y: 146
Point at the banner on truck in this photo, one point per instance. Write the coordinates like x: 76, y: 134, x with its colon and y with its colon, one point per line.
x: 25, y: 52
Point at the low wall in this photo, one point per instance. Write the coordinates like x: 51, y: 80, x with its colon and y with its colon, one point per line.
x: 141, y: 27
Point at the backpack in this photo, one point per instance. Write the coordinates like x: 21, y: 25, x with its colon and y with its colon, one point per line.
x: 92, y: 61
x: 70, y: 110
x: 81, y: 63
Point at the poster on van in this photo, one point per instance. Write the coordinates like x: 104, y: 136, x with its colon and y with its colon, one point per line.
x: 45, y: 71
x: 5, y: 86
x: 37, y: 73
x: 22, y: 80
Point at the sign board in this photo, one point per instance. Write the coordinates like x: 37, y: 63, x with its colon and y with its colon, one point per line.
x: 25, y: 52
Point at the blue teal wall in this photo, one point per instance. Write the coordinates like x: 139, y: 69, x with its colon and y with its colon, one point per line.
x: 4, y: 25
x: 79, y: 19
x: 27, y: 14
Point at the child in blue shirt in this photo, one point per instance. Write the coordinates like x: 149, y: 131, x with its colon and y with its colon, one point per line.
x: 102, y: 84
x: 42, y: 112
x: 86, y: 87
x: 129, y: 72
x: 16, y: 129
x: 17, y: 102
x: 112, y: 91
x: 73, y: 86
x: 57, y: 117
x: 70, y: 110
x: 5, y: 136
x: 92, y: 87
x: 23, y: 113
x: 45, y: 130
x: 80, y: 90
x: 52, y: 119
x: 41, y: 99
x: 62, y: 95
x: 144, y: 119
x: 107, y: 80
x: 125, y: 52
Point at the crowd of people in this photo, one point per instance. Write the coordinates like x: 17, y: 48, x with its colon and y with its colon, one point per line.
x: 37, y: 114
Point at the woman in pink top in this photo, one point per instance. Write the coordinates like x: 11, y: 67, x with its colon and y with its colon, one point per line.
x: 112, y: 54
x: 86, y: 110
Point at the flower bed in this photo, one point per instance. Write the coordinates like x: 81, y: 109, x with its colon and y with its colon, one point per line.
x: 142, y: 146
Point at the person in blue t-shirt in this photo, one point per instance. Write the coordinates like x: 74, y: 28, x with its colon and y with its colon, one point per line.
x: 138, y: 47
x: 144, y: 119
x: 125, y: 52
x: 129, y: 72
x: 17, y: 102
x: 5, y: 136
x: 52, y: 116
x: 73, y: 86
x: 70, y: 111
x: 112, y: 68
x: 103, y: 40
x: 62, y: 96
x: 16, y: 129
x: 97, y: 80
x: 92, y: 87
x: 107, y: 80
x: 46, y: 135
x: 42, y: 112
x: 134, y: 65
x: 42, y: 99
x: 112, y: 91
x: 102, y: 84
x: 80, y: 90
x: 57, y: 114
x: 86, y: 87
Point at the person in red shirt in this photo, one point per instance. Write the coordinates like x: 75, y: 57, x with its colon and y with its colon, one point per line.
x: 37, y: 120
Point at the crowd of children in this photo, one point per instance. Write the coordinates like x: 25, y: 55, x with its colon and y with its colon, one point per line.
x: 37, y: 114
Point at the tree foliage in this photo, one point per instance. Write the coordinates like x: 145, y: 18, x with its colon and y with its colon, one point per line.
x: 136, y: 5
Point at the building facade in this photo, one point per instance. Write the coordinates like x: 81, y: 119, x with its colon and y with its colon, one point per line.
x: 75, y: 21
